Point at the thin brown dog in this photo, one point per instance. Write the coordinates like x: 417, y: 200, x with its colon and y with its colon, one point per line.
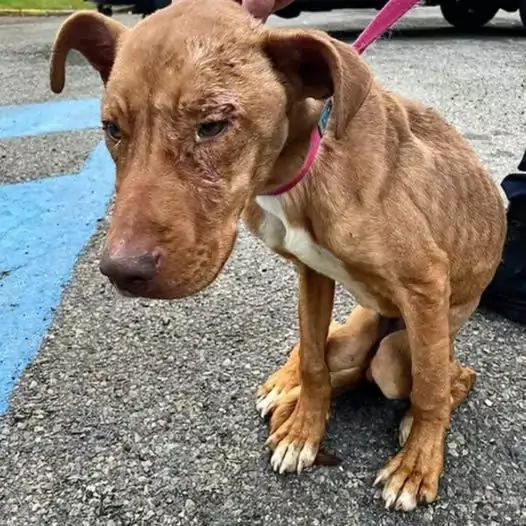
x: 206, y: 111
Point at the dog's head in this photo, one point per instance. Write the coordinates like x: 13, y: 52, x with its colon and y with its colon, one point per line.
x: 195, y: 114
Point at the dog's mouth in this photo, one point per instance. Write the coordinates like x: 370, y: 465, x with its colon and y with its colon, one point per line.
x: 162, y: 287
x: 165, y: 273
x: 132, y: 289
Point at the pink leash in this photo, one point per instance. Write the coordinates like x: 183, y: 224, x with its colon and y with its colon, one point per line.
x: 384, y: 19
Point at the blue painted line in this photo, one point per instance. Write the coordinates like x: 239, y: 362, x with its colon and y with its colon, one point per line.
x: 44, y: 227
x: 49, y: 117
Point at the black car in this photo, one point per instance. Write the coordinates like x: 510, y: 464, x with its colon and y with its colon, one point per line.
x: 462, y: 14
x: 140, y: 7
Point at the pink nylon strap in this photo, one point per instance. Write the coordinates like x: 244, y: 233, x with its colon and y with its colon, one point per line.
x: 314, y: 145
x: 384, y: 19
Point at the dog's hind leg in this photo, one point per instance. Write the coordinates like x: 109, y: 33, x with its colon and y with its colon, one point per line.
x: 348, y: 352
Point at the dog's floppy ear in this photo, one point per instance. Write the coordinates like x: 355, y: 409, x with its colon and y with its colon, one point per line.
x: 315, y: 65
x: 93, y: 35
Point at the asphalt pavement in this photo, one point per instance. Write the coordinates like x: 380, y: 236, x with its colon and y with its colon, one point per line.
x: 142, y: 412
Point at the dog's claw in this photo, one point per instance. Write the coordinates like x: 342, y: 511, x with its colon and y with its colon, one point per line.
x: 380, y: 477
x: 405, y: 428
x: 289, y: 457
x: 405, y: 502
x: 389, y: 498
x: 277, y: 457
x: 266, y: 402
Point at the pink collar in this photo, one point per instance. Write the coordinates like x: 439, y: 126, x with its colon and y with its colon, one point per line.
x: 314, y: 145
x: 384, y: 19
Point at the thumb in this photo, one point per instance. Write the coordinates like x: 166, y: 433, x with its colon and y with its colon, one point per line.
x: 259, y: 8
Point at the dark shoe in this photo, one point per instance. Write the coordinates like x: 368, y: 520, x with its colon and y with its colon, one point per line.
x: 506, y: 294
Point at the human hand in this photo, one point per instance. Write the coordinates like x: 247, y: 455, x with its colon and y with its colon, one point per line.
x: 262, y: 9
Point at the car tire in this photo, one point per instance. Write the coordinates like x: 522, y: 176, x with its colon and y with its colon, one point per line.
x: 522, y: 12
x: 105, y: 9
x: 291, y: 11
x: 468, y: 15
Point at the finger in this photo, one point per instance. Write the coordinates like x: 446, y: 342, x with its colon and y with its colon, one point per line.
x: 259, y: 8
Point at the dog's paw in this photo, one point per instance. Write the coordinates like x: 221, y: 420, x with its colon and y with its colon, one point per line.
x: 412, y: 476
x: 278, y: 385
x: 293, y: 457
x: 267, y: 401
x: 296, y: 438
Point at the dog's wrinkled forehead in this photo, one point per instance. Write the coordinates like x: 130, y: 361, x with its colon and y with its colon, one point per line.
x: 187, y: 47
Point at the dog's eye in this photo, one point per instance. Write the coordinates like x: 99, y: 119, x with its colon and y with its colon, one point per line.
x: 112, y: 130
x: 210, y: 129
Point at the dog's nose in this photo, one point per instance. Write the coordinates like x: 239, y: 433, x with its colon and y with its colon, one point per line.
x: 130, y: 272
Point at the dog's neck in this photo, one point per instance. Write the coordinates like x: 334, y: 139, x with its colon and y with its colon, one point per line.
x: 300, y: 149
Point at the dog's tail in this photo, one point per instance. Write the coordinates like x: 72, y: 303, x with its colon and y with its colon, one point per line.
x: 326, y: 459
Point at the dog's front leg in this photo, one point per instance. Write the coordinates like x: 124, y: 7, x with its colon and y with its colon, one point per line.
x: 413, y: 475
x: 296, y: 439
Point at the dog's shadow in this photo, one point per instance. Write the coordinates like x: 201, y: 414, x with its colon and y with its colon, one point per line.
x: 363, y: 420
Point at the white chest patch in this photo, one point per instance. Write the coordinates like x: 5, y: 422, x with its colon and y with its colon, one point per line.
x: 276, y: 232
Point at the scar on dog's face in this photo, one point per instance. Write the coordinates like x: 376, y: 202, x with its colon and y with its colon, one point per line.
x: 194, y: 113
